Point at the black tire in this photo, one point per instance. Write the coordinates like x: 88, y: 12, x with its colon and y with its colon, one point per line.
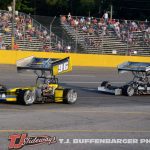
x: 69, y: 96
x: 106, y: 84
x: 3, y: 88
x: 26, y: 97
x: 128, y: 90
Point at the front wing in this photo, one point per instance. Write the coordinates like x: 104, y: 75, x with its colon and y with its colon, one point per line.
x: 112, y: 90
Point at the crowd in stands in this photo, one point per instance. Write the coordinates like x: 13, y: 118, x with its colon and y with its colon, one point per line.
x: 123, y: 29
x: 25, y: 30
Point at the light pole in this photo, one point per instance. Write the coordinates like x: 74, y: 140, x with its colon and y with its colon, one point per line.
x: 50, y: 30
x: 13, y: 22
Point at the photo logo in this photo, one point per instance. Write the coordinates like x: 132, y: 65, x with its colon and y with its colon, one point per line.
x: 18, y: 141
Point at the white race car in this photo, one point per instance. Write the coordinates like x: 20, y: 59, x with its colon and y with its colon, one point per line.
x: 140, y: 84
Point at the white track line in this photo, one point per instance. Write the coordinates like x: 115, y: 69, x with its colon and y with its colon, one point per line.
x: 77, y: 75
x: 72, y: 75
x: 90, y: 82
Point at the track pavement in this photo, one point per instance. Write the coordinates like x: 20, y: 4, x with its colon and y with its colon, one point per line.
x: 94, y: 116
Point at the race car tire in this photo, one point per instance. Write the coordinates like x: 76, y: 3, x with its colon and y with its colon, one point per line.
x: 27, y: 97
x: 128, y: 90
x: 105, y: 84
x: 69, y: 96
x: 3, y: 88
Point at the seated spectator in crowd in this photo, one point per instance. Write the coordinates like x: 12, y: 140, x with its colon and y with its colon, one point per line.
x: 84, y: 28
x: 29, y: 25
x: 91, y: 30
x: 47, y: 38
x: 6, y: 30
x: 82, y: 21
x: 63, y: 19
x: 46, y: 48
x: 72, y: 23
x: 95, y: 21
x: 44, y: 33
x: 18, y: 35
x: 76, y: 22
x: 3, y: 47
x: 8, y: 47
x: 16, y: 47
x: 1, y: 41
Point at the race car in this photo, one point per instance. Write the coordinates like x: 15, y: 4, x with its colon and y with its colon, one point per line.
x: 140, y: 84
x: 47, y: 88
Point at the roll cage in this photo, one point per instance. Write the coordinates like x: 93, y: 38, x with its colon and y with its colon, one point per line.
x: 140, y: 71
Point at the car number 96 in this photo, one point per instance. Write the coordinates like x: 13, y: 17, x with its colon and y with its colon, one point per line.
x: 63, y: 67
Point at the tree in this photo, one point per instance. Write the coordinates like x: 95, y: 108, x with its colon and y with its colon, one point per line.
x: 4, y: 4
x: 24, y: 6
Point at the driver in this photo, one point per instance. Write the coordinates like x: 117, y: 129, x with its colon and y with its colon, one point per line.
x: 47, y: 90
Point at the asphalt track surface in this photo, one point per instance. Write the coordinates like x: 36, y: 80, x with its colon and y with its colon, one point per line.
x: 94, y: 116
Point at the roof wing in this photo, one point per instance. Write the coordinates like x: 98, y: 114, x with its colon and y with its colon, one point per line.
x: 134, y: 66
x: 61, y: 66
x: 51, y: 65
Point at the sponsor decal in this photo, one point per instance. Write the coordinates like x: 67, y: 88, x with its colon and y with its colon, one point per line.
x: 18, y: 141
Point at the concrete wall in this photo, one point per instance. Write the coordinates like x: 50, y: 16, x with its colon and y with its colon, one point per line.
x: 10, y: 57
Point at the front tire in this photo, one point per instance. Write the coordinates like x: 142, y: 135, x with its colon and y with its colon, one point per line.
x: 27, y: 97
x: 69, y: 96
x: 128, y: 90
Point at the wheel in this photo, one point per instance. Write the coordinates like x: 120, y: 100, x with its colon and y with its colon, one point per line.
x: 128, y: 90
x: 27, y: 97
x: 3, y: 88
x: 106, y: 84
x: 69, y: 96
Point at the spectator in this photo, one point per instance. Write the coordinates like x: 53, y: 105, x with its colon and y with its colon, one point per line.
x: 3, y: 47
x: 47, y: 38
x: 44, y: 33
x: 16, y: 47
x: 8, y: 47
x: 63, y: 19
x: 91, y: 30
x: 6, y: 30
x: 84, y: 28
x: 69, y: 17
x: 59, y: 47
x: 82, y: 21
x: 1, y: 41
x: 105, y: 16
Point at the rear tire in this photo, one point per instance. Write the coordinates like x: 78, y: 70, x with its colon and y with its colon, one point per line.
x: 27, y: 97
x: 69, y: 96
x: 128, y: 90
x: 3, y: 88
x: 105, y: 84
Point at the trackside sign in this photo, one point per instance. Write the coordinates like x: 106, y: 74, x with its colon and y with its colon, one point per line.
x: 18, y: 141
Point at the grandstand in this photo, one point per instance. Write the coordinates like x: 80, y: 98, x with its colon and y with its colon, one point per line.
x: 29, y: 34
x: 88, y: 34
x: 114, y: 37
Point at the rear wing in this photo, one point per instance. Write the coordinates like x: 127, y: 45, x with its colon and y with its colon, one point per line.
x: 51, y: 66
x: 134, y: 67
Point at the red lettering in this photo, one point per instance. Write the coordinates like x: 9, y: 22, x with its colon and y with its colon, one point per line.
x: 17, y: 141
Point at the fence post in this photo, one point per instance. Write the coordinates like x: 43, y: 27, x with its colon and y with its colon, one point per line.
x: 50, y: 30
